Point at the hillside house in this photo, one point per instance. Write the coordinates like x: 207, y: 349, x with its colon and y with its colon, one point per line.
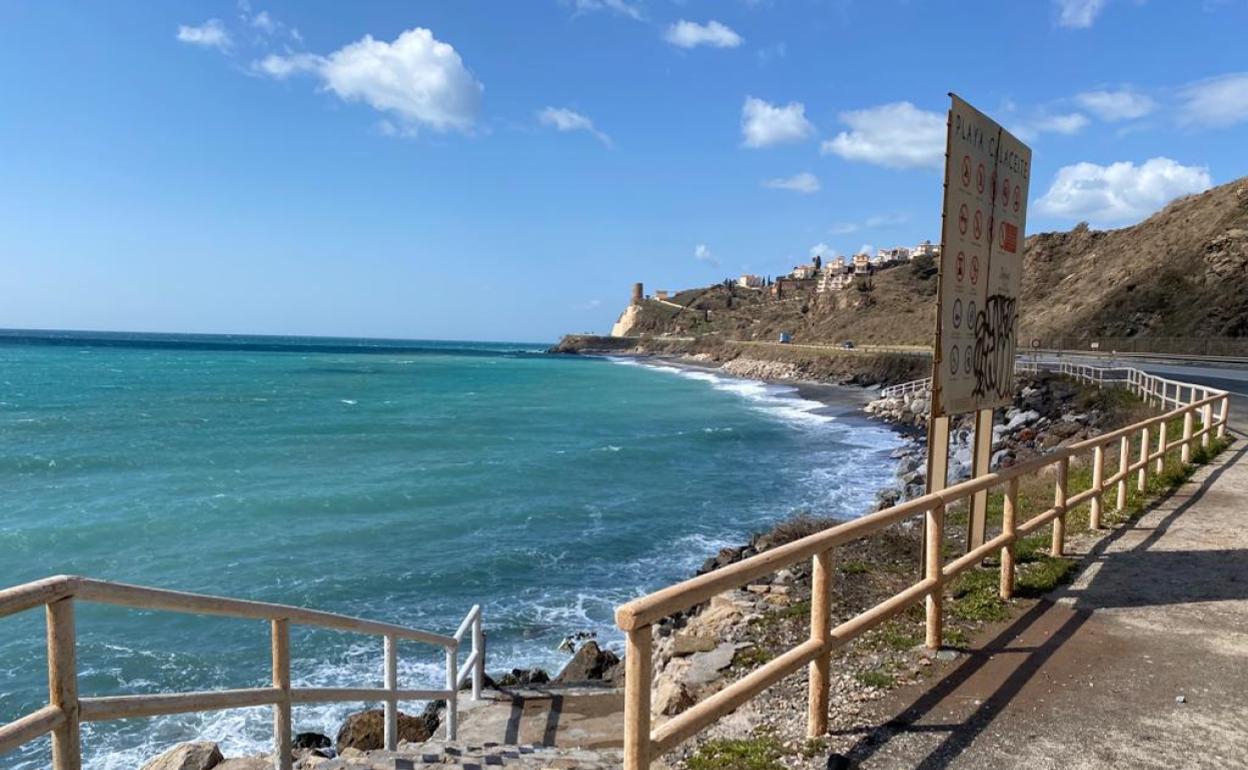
x: 925, y: 249
x: 830, y: 281
x: 862, y: 264
x: 749, y: 281
x: 804, y: 272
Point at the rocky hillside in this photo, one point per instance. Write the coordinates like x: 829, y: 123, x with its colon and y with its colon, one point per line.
x: 1181, y: 273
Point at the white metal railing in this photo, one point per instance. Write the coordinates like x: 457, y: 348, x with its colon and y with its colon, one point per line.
x: 905, y: 388
x: 66, y: 709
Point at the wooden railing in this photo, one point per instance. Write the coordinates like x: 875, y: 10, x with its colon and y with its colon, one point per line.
x: 636, y: 618
x: 66, y: 709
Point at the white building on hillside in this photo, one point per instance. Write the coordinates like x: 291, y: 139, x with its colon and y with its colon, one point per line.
x: 750, y: 281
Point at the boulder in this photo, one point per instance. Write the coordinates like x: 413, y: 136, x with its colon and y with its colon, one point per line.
x: 197, y: 755
x: 523, y: 677
x: 671, y: 697
x: 245, y: 763
x: 311, y: 741
x: 591, y: 663
x: 689, y: 643
x: 365, y: 730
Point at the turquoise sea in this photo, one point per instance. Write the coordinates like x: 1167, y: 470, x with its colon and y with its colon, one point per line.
x: 402, y: 481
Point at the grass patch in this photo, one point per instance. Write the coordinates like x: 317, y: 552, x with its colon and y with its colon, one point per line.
x: 975, y: 597
x: 855, y: 567
x: 876, y: 678
x: 757, y: 753
x: 751, y: 657
x: 896, y: 636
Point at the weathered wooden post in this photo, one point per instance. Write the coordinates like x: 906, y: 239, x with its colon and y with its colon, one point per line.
x: 1142, y: 475
x: 1098, y: 484
x: 1162, y: 429
x: 1009, y: 513
x: 637, y: 673
x: 390, y: 677
x: 1185, y: 454
x: 932, y: 563
x: 1124, y: 464
x: 1225, y: 413
x: 820, y: 631
x: 63, y: 683
x: 282, y: 728
x: 1206, y: 424
x: 1059, y: 502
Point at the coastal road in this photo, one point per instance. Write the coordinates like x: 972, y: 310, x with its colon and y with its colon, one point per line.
x: 1231, y: 377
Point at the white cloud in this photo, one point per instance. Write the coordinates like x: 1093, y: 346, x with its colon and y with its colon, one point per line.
x: 210, y: 34
x: 702, y: 253
x: 870, y: 223
x: 844, y: 228
x: 1217, y: 102
x: 1123, y: 104
x: 689, y: 34
x: 805, y: 182
x: 1120, y: 192
x: 825, y: 251
x: 563, y: 119
x: 1067, y: 125
x: 622, y: 7
x: 897, y: 135
x: 264, y: 22
x: 865, y: 248
x: 417, y: 78
x: 1079, y: 14
x: 764, y: 124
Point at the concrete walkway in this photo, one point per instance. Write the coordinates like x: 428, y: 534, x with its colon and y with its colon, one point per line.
x: 1142, y: 662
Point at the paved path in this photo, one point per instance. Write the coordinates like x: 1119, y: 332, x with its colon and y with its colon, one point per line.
x: 1142, y: 662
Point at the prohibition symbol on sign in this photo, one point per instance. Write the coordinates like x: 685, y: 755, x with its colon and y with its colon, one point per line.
x: 962, y: 217
x: 1005, y: 192
x: 979, y: 224
x: 974, y: 268
x: 966, y: 172
x: 966, y: 360
x: 979, y: 178
x: 953, y: 360
x: 1017, y: 197
x: 970, y: 313
x: 957, y: 313
x: 961, y: 263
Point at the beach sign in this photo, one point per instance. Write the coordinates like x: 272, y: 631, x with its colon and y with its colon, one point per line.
x: 987, y: 181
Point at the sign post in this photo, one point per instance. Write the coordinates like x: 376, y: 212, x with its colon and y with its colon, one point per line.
x: 987, y: 182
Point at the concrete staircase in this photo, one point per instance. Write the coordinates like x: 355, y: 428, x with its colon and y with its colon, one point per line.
x: 468, y: 756
x: 553, y: 728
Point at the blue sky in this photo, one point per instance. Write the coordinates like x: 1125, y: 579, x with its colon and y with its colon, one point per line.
x: 504, y: 170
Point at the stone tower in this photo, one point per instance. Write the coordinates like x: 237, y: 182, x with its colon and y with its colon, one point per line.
x: 638, y: 293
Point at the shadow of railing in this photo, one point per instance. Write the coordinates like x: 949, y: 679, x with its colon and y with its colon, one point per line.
x: 1174, y: 578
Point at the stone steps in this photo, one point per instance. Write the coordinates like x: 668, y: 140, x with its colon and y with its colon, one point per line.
x: 440, y: 754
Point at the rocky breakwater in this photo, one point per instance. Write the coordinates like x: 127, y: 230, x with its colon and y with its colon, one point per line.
x: 1049, y: 411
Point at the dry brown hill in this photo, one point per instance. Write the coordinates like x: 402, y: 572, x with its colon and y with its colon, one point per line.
x: 1183, y: 272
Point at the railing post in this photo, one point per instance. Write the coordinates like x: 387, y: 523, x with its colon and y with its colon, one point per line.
x: 282, y: 731
x: 390, y: 680
x: 1098, y: 483
x: 452, y: 693
x: 1185, y: 454
x: 820, y: 631
x: 1162, y: 429
x: 1206, y: 423
x: 933, y: 558
x: 1225, y: 413
x: 478, y: 669
x: 1124, y: 462
x: 1059, y: 502
x: 637, y: 673
x: 1009, y: 513
x: 1141, y: 482
x: 63, y: 683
